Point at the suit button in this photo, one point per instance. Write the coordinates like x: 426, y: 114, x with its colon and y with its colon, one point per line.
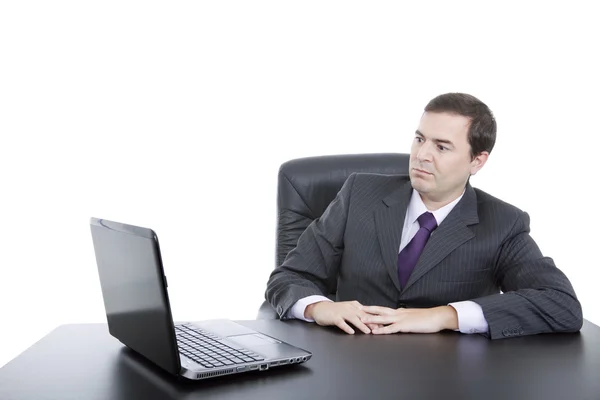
x: 506, y: 332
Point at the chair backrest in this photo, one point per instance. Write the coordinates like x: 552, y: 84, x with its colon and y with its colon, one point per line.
x: 306, y: 186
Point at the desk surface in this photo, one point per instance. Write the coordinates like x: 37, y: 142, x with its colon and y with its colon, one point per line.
x: 84, y: 362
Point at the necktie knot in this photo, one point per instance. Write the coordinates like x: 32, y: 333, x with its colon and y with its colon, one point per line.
x: 427, y: 221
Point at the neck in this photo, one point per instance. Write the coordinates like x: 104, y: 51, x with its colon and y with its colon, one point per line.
x: 434, y: 204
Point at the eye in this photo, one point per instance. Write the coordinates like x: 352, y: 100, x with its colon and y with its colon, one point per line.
x: 419, y: 139
x: 442, y: 148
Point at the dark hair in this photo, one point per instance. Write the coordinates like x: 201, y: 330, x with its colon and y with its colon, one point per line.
x: 482, y: 130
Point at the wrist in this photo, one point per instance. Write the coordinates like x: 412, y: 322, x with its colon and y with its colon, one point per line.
x: 448, y: 318
x: 308, y: 311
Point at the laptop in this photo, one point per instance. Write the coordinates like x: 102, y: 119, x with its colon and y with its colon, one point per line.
x: 138, y: 312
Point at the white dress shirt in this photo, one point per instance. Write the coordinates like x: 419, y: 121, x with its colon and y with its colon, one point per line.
x: 470, y: 314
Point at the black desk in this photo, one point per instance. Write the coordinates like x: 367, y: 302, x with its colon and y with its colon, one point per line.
x: 84, y: 362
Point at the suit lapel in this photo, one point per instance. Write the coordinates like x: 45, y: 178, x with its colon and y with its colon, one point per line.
x: 389, y: 220
x: 448, y: 236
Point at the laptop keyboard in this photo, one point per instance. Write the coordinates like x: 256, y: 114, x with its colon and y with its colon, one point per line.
x: 206, y: 349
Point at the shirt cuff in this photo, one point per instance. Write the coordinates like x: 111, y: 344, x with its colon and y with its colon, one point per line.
x: 297, y: 310
x: 470, y: 317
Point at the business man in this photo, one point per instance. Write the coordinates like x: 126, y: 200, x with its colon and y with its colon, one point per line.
x: 427, y: 252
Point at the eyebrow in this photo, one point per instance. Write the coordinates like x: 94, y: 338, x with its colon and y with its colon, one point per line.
x: 444, y: 141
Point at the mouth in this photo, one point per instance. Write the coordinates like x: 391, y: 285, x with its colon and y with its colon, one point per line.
x: 422, y: 171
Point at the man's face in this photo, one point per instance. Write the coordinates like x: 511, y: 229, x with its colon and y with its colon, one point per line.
x: 440, y: 157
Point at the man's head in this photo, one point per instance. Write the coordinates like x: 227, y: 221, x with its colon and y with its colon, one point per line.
x: 455, y: 137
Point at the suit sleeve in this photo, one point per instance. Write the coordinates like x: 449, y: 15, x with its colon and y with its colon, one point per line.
x: 537, y: 297
x: 312, y: 267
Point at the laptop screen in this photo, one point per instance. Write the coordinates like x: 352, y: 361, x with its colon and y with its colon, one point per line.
x: 134, y: 290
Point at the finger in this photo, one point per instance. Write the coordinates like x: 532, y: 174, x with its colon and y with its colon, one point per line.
x: 344, y: 326
x: 374, y: 326
x: 355, y: 320
x: 385, y: 330
x: 356, y: 305
x: 378, y: 310
x: 379, y: 319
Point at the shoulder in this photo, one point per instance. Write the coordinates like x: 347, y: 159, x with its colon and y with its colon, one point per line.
x: 491, y: 208
x: 487, y: 201
x: 371, y: 187
x: 376, y: 180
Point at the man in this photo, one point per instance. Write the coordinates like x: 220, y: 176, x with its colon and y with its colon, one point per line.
x: 427, y: 252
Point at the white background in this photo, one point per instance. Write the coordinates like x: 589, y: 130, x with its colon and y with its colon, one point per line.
x: 177, y: 115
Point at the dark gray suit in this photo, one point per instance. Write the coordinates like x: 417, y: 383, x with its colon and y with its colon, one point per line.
x: 481, y: 248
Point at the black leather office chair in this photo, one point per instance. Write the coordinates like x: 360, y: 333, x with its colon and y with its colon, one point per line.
x: 305, y: 188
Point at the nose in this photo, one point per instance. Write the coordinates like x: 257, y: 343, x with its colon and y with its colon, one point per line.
x: 425, y: 152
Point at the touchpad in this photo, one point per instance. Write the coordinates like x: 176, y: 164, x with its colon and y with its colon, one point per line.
x: 253, y: 340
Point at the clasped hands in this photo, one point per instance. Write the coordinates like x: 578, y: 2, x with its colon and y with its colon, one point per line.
x: 382, y: 320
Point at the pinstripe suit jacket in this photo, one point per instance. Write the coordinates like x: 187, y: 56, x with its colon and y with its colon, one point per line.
x: 482, y: 252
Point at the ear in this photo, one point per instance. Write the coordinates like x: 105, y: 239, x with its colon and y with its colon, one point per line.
x: 479, y: 161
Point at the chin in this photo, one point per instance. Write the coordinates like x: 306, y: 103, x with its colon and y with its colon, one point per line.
x: 420, y: 186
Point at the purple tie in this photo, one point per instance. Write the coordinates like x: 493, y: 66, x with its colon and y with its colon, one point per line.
x: 408, y: 257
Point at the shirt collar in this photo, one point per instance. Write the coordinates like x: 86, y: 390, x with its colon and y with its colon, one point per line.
x: 416, y: 207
